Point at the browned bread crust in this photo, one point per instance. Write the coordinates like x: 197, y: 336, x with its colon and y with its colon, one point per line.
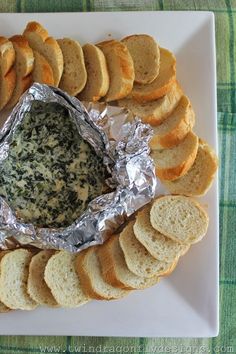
x: 162, y: 84
x: 40, y: 41
x: 120, y: 69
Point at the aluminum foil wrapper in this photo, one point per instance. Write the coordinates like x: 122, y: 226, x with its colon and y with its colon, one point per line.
x: 121, y: 140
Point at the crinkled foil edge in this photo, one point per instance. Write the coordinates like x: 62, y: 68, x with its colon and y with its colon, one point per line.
x: 120, y: 139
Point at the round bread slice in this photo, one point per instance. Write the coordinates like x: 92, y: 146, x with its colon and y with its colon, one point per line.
x: 14, y: 270
x: 40, y: 41
x: 175, y: 162
x: 145, y: 53
x: 199, y: 178
x: 138, y: 259
x: 23, y: 65
x: 120, y: 69
x: 74, y: 75
x: 42, y: 71
x: 162, y: 84
x: 159, y: 246
x: 61, y: 277
x: 7, y: 71
x: 89, y: 270
x: 180, y: 218
x: 175, y: 127
x: 115, y: 270
x: 157, y: 111
x: 36, y: 286
x: 97, y: 83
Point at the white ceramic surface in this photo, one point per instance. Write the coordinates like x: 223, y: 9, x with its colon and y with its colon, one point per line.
x: 186, y: 303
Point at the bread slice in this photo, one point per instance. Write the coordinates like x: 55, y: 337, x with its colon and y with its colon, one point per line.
x: 97, y: 83
x: 14, y: 270
x: 61, y: 277
x: 120, y: 69
x: 180, y: 218
x: 138, y: 259
x: 162, y: 84
x: 7, y: 55
x: 175, y: 127
x: 157, y: 111
x: 24, y: 56
x: 199, y: 178
x: 42, y: 71
x: 115, y: 270
x: 7, y: 71
x: 89, y: 270
x: 74, y: 75
x: 145, y: 53
x: 3, y: 307
x: 23, y: 65
x: 175, y: 162
x: 36, y: 286
x: 159, y: 246
x: 40, y: 41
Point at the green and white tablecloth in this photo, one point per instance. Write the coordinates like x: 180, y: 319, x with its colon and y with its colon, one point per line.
x: 225, y: 15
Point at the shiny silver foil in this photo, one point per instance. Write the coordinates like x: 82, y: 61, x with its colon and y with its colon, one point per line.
x: 121, y: 140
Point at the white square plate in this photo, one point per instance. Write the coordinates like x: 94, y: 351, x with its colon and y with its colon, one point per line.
x: 184, y: 304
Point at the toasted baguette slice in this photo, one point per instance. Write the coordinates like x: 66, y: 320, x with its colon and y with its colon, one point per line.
x: 175, y: 127
x: 120, y: 69
x: 199, y: 178
x: 180, y: 218
x: 42, y: 71
x: 145, y: 53
x: 7, y: 71
x: 157, y: 111
x: 74, y: 75
x: 89, y: 270
x: 159, y: 246
x: 36, y: 286
x: 138, y: 259
x: 14, y: 270
x: 40, y: 41
x: 162, y: 84
x: 7, y: 55
x: 115, y: 270
x: 24, y: 57
x: 61, y: 277
x: 3, y: 307
x: 24, y: 63
x: 175, y: 162
x: 97, y: 83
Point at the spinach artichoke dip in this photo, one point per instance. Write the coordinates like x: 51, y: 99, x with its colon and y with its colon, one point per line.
x: 51, y: 173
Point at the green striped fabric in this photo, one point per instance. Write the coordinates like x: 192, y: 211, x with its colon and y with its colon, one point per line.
x: 225, y: 12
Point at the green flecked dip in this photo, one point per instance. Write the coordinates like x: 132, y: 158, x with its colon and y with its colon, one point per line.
x: 51, y: 173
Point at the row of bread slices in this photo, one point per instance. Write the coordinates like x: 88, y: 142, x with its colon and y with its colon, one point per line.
x: 184, y: 163
x: 147, y: 248
x: 36, y: 57
x: 110, y: 69
x: 90, y: 73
